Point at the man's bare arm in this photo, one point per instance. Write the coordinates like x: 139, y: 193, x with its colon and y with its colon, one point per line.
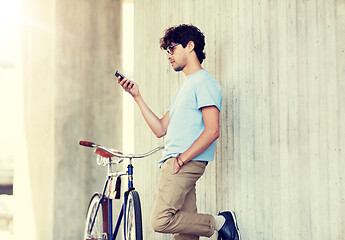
x: 158, y: 126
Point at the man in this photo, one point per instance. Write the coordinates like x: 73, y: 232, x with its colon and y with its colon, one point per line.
x: 190, y: 127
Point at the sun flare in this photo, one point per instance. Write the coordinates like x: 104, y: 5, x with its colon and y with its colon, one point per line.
x: 9, y: 14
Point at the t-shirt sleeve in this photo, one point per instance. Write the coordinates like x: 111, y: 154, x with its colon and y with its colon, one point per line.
x: 209, y: 93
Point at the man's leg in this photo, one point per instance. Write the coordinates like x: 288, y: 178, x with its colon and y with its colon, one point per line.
x: 188, y: 206
x: 167, y: 215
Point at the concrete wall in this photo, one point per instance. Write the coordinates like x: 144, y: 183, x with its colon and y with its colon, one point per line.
x: 280, y: 157
x: 70, y: 51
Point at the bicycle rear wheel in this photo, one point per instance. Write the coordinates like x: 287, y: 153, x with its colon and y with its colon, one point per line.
x: 134, y: 227
x: 100, y: 218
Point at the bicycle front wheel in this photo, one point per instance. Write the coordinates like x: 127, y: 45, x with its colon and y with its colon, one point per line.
x: 96, y: 215
x: 133, y: 227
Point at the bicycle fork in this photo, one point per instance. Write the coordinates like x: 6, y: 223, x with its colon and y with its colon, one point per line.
x: 130, y: 188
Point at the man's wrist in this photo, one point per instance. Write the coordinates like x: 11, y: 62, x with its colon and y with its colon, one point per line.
x: 137, y: 97
x: 179, y: 161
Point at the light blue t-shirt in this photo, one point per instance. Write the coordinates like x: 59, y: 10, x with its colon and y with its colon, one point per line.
x: 186, y: 123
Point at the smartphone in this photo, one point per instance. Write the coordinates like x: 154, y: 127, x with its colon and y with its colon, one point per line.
x: 118, y: 74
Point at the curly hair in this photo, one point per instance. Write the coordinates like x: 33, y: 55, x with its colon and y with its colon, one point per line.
x: 183, y: 34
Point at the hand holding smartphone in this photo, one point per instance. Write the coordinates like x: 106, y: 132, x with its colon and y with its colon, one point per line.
x: 121, y: 76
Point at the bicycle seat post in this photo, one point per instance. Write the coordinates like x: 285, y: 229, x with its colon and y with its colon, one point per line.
x: 110, y: 169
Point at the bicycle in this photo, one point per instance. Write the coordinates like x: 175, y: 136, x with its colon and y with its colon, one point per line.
x: 99, y: 217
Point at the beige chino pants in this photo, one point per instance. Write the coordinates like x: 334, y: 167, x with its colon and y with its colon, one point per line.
x: 175, y: 210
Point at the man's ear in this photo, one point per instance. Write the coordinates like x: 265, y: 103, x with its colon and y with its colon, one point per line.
x: 191, y: 46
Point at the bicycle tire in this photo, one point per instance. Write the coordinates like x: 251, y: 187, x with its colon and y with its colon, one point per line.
x: 134, y: 227
x: 100, y: 228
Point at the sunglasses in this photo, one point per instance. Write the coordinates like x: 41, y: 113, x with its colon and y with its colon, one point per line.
x: 170, y: 49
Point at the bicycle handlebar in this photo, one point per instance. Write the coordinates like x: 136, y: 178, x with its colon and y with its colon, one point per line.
x: 119, y: 154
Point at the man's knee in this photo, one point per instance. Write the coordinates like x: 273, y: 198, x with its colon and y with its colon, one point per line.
x: 181, y: 236
x: 159, y: 223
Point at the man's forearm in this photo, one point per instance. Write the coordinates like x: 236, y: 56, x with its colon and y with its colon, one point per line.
x: 156, y: 124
